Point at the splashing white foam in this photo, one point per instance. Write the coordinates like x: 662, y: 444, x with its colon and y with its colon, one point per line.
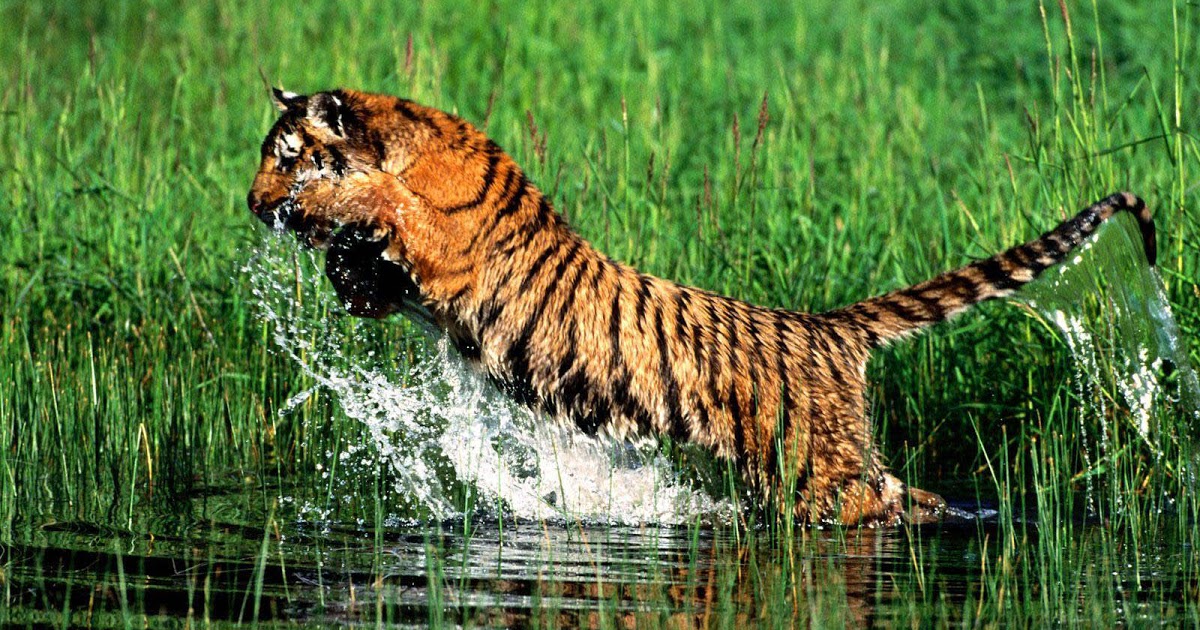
x: 1112, y: 310
x: 435, y: 422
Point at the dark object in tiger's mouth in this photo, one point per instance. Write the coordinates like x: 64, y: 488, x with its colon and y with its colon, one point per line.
x: 367, y: 284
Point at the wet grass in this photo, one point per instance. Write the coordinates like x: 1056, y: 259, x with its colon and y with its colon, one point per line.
x: 803, y: 157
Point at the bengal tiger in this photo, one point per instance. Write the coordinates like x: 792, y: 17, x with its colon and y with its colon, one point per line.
x: 421, y: 212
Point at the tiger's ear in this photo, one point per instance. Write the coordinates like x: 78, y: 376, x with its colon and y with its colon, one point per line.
x: 325, y: 110
x: 287, y: 101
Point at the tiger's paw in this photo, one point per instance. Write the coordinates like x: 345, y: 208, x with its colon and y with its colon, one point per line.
x: 924, y: 507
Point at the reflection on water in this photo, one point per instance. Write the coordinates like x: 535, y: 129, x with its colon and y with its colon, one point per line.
x: 506, y: 574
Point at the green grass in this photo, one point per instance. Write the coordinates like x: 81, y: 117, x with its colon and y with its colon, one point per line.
x: 898, y: 141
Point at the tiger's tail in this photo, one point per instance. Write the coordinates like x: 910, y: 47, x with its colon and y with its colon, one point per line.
x: 894, y: 315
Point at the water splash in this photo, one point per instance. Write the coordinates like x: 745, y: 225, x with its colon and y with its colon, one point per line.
x: 435, y: 422
x: 1131, y: 365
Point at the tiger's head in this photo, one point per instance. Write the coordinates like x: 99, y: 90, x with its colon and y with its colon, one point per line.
x: 379, y: 167
x: 318, y: 139
x: 333, y: 139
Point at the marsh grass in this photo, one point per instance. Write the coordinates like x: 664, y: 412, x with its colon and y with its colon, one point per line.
x: 803, y: 157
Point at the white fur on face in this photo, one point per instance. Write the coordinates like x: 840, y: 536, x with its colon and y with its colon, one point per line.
x: 288, y: 146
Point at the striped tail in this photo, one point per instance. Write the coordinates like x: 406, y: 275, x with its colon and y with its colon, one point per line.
x: 903, y: 312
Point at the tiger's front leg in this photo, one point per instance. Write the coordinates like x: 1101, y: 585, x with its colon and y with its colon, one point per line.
x: 386, y: 246
x: 357, y: 220
x: 372, y: 203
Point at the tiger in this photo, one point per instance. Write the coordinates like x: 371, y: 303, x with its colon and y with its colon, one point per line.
x: 421, y: 213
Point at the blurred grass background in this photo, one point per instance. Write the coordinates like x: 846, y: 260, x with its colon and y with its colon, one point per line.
x: 802, y: 155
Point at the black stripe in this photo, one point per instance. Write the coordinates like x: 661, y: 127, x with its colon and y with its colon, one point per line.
x: 507, y: 246
x: 531, y: 225
x: 784, y: 413
x: 683, y: 302
x: 1057, y: 245
x: 820, y: 338
x: 489, y: 315
x: 734, y: 404
x: 306, y: 139
x: 575, y: 389
x: 459, y: 293
x: 933, y: 306
x: 739, y: 436
x: 544, y: 211
x: 835, y: 335
x: 731, y: 332
x: 714, y: 365
x: 380, y: 149
x: 818, y: 450
x: 629, y: 406
x: 1020, y: 256
x: 676, y: 424
x: 480, y: 233
x: 697, y: 340
x: 348, y: 117
x: 1032, y: 260
x: 892, y: 305
x: 601, y: 266
x: 514, y: 189
x: 463, y: 134
x: 633, y: 408
x: 867, y: 313
x: 561, y: 268
x: 621, y: 397
x: 532, y: 272
x: 489, y: 178
x: 614, y: 326
x: 995, y: 274
x: 409, y: 111
x: 703, y: 421
x: 565, y: 366
x: 643, y: 294
x: 569, y: 301
x: 962, y: 287
x: 754, y: 360
x: 514, y: 202
x: 337, y: 161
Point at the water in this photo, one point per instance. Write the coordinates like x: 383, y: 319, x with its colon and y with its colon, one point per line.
x: 437, y: 423
x: 1130, y: 359
x: 489, y: 516
x: 240, y: 562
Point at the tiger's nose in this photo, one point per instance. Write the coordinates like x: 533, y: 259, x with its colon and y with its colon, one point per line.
x: 254, y: 203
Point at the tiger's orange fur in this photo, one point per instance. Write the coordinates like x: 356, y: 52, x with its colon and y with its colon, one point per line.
x: 420, y: 210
